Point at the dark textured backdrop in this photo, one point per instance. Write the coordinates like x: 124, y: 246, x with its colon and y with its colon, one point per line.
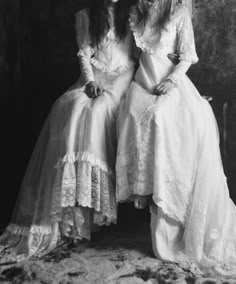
x: 38, y: 63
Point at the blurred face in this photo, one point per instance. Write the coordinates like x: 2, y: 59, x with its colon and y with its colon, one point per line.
x: 147, y: 3
x: 150, y: 5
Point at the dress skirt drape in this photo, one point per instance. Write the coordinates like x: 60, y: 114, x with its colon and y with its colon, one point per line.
x: 69, y: 185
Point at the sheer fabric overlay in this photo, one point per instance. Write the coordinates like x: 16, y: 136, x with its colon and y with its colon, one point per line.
x: 169, y: 148
x: 69, y: 186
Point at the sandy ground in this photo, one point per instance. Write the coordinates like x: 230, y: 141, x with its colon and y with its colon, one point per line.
x: 119, y: 254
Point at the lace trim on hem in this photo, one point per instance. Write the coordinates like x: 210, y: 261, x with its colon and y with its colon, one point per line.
x: 104, y: 220
x: 79, y: 183
x: 99, y: 219
x: 19, y: 243
x: 104, y: 67
x: 207, y: 266
x: 47, y: 230
x: 135, y: 171
x: 128, y: 196
x: 84, y: 157
x: 124, y: 195
x: 25, y: 231
x: 214, y: 267
x: 17, y: 230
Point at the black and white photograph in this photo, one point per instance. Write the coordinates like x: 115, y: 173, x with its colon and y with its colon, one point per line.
x: 118, y: 141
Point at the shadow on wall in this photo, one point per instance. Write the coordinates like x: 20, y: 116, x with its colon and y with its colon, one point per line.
x: 38, y: 63
x: 215, y: 29
x: 214, y: 75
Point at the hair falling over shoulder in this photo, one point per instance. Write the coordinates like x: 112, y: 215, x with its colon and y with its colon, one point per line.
x: 99, y: 19
x: 163, y: 11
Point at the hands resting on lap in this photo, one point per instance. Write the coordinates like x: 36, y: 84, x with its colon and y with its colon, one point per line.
x: 92, y: 90
x: 167, y: 85
x: 164, y: 87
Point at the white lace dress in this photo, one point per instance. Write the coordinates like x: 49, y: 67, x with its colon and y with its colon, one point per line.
x: 70, y: 181
x: 169, y: 148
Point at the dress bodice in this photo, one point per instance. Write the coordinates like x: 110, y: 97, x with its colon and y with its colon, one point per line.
x: 112, y: 55
x: 176, y: 36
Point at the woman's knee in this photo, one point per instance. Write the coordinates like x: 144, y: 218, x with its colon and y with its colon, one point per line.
x: 99, y: 104
x: 69, y: 100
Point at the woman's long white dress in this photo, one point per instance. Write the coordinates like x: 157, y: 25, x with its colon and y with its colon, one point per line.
x: 169, y: 148
x: 70, y: 181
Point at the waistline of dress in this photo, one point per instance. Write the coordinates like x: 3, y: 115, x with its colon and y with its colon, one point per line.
x: 111, y: 72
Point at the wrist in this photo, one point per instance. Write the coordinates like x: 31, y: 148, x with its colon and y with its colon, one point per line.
x: 173, y: 79
x: 89, y: 82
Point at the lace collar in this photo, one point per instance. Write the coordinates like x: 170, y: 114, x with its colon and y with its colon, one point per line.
x: 138, y: 33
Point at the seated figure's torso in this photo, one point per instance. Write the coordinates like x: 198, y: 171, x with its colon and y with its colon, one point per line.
x: 113, y: 55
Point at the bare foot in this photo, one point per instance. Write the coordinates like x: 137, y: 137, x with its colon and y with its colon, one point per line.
x: 74, y: 242
x: 153, y: 208
x: 140, y: 202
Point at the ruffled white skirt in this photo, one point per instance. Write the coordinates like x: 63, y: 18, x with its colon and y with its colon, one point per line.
x: 169, y: 148
x: 70, y: 182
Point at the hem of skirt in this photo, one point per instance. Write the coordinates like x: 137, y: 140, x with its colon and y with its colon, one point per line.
x: 31, y: 238
x: 36, y: 229
x: 130, y: 194
x: 25, y: 231
x: 84, y: 183
x: 170, y: 213
x: 121, y: 198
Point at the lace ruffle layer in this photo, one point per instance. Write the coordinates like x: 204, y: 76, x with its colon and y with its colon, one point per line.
x: 84, y: 180
x: 83, y: 196
x: 135, y: 178
x: 86, y: 157
x: 137, y: 164
x: 19, y: 243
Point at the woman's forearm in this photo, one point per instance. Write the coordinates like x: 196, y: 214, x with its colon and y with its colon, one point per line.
x: 85, y: 65
x: 179, y: 71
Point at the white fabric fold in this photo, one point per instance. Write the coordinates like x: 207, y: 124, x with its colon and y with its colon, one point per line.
x: 169, y: 148
x: 179, y: 71
x: 69, y: 183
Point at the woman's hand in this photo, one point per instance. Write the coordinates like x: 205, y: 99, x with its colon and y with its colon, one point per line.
x: 164, y: 87
x: 92, y: 90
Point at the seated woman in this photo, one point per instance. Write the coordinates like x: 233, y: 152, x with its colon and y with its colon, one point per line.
x: 169, y: 146
x: 69, y: 185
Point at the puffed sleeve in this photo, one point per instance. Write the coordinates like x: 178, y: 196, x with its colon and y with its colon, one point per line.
x: 185, y: 38
x: 86, y: 50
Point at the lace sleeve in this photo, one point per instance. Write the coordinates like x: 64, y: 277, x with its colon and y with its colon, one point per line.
x: 186, y: 43
x: 84, y: 43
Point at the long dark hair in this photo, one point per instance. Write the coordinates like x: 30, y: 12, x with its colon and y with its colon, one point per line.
x: 165, y: 8
x: 99, y: 20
